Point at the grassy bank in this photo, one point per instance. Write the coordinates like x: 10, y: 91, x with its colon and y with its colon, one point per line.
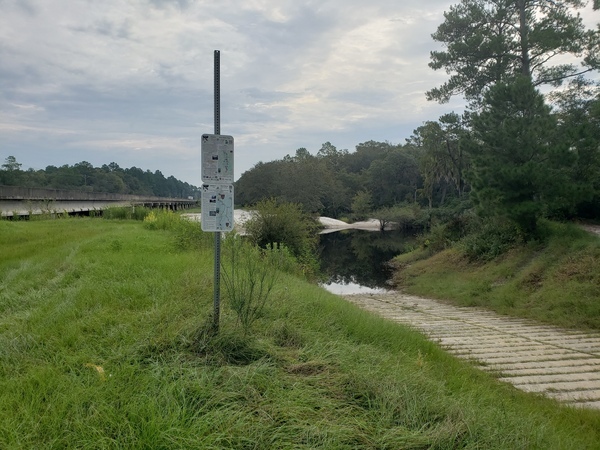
x: 556, y: 282
x: 102, y: 345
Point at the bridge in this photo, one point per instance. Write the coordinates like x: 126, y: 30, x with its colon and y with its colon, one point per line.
x: 23, y: 201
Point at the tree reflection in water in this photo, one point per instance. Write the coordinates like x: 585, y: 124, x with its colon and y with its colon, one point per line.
x: 354, y: 261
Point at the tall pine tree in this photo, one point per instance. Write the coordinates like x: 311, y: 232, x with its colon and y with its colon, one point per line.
x: 520, y: 171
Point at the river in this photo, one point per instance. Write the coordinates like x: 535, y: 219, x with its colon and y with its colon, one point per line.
x: 356, y: 261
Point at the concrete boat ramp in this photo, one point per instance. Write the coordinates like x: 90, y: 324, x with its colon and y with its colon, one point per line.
x: 558, y: 363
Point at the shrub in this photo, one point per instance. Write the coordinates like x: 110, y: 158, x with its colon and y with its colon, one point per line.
x: 249, y: 275
x: 491, y: 240
x: 280, y: 224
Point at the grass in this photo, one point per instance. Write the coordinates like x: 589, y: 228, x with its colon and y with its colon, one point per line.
x: 557, y: 282
x: 104, y: 344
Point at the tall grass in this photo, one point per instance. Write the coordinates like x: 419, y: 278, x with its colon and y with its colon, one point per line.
x: 102, y: 346
x: 126, y: 212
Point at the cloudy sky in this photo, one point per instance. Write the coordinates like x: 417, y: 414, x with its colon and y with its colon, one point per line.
x: 131, y: 81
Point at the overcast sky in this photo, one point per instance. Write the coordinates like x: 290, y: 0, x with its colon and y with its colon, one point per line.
x: 131, y: 81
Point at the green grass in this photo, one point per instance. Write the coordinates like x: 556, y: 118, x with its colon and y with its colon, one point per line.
x: 104, y: 344
x: 557, y: 282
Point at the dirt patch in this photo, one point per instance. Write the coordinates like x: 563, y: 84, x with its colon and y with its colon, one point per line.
x: 595, y: 229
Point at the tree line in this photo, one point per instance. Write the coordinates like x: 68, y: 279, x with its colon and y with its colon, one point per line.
x: 109, y: 178
x: 515, y: 153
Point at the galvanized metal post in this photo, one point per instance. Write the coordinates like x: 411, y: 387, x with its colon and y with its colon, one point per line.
x: 217, y: 281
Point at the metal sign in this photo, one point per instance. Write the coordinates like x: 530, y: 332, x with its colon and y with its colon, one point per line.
x: 217, y: 159
x: 217, y: 207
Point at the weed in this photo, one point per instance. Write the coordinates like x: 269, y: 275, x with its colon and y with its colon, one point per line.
x: 249, y: 277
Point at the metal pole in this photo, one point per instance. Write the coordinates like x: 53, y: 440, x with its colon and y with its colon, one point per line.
x: 217, y: 285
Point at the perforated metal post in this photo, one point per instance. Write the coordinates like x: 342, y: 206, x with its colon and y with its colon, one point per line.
x: 217, y: 281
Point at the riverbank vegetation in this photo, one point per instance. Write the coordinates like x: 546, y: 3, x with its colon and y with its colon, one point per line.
x: 555, y: 280
x: 105, y: 343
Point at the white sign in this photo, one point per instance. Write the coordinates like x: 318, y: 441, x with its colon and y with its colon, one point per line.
x: 217, y: 159
x: 217, y: 207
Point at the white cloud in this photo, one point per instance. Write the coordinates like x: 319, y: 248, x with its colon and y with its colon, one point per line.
x: 130, y: 81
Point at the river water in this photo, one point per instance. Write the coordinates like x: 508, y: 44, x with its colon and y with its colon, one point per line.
x: 355, y: 261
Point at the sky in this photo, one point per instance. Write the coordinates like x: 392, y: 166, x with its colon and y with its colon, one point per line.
x: 131, y: 81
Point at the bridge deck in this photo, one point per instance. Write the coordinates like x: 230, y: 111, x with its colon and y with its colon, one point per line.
x: 23, y: 201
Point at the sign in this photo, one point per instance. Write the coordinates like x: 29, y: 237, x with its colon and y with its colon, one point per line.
x: 217, y: 207
x: 217, y: 159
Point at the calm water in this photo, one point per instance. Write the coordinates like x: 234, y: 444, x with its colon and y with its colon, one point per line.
x: 354, y: 261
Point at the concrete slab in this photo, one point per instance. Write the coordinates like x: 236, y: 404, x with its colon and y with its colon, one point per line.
x: 561, y: 364
x: 553, y: 378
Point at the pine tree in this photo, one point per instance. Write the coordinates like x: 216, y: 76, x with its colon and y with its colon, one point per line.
x: 520, y: 170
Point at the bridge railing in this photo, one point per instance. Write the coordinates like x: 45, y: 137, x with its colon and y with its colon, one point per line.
x: 26, y: 193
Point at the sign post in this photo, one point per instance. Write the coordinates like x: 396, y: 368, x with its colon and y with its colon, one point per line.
x: 217, y: 190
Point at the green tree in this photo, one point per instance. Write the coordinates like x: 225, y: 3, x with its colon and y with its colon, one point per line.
x: 331, y: 155
x: 303, y: 183
x: 258, y: 183
x: 578, y: 114
x: 393, y: 179
x: 443, y: 161
x: 65, y: 177
x: 520, y: 169
x: 11, y: 164
x: 488, y: 41
x: 366, y: 152
x: 10, y: 173
x: 86, y: 171
x: 302, y: 154
x: 362, y: 205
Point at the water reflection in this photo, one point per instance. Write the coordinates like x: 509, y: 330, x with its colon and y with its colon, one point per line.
x: 354, y: 261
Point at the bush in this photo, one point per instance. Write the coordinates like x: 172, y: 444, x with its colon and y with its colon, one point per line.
x: 491, y: 240
x: 280, y: 224
x: 436, y: 240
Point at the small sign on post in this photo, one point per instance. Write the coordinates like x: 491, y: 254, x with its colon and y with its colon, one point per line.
x: 217, y: 207
x: 217, y: 173
x: 217, y: 159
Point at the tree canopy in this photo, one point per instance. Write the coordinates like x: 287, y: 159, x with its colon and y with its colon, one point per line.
x: 110, y: 178
x: 518, y: 161
x: 489, y: 41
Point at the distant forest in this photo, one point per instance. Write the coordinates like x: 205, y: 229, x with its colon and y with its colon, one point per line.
x: 110, y: 178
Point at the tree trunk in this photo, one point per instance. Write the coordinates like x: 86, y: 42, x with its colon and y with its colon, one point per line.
x: 524, y: 35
